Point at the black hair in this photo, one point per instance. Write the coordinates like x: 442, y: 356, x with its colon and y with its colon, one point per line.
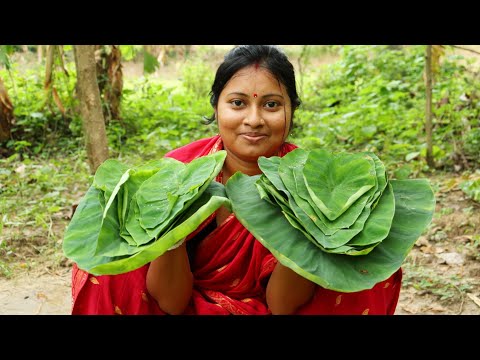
x: 269, y: 57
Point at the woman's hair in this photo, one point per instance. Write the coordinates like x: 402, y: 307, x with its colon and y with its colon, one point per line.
x: 269, y: 57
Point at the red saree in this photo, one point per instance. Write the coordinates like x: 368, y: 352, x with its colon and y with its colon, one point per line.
x: 230, y: 269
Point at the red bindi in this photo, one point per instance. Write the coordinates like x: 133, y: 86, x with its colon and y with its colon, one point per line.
x: 255, y: 95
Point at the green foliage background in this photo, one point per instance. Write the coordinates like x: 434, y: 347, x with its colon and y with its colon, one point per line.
x: 370, y: 98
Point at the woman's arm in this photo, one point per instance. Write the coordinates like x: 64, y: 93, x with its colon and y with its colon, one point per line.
x: 287, y: 291
x: 170, y: 280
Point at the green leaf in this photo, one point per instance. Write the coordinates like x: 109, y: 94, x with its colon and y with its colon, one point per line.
x: 99, y: 238
x: 412, y: 156
x: 108, y: 175
x: 150, y: 63
x: 81, y: 235
x: 160, y: 246
x: 336, y: 181
x: 414, y: 206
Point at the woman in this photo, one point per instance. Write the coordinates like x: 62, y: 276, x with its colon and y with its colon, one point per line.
x: 221, y: 268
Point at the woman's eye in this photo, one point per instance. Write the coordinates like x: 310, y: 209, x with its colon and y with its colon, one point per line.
x: 271, y: 104
x: 237, y: 102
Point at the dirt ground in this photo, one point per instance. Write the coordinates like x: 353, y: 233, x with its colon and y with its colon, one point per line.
x: 36, y: 294
x: 441, y: 273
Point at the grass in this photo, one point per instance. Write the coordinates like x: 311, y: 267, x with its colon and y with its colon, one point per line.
x: 450, y: 288
x: 36, y: 200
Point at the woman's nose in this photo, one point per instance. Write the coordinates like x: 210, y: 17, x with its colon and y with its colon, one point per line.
x: 254, y: 117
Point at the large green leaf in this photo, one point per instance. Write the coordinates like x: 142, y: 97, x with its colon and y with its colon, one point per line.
x: 138, y: 175
x: 286, y: 173
x: 97, y: 236
x: 157, y: 195
x: 163, y: 197
x: 336, y: 181
x: 414, y: 207
x: 81, y: 235
x: 206, y: 204
x: 107, y: 176
x: 287, y: 170
x: 195, y: 178
x: 114, y: 193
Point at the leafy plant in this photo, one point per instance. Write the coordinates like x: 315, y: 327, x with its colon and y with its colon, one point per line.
x: 130, y: 216
x: 426, y: 280
x: 471, y: 187
x: 335, y: 219
x: 372, y: 99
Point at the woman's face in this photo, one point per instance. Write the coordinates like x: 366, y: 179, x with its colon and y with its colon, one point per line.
x: 254, y: 114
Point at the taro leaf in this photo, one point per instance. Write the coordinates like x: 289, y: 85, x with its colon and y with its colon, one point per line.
x: 205, y: 205
x: 115, y: 191
x: 330, y: 241
x: 375, y: 229
x: 336, y: 181
x: 333, y: 242
x: 290, y: 170
x: 93, y: 239
x: 264, y: 195
x: 213, y: 189
x: 284, y: 180
x: 270, y: 167
x: 381, y: 177
x: 136, y: 234
x: 107, y: 176
x: 379, y: 222
x: 138, y: 175
x: 154, y: 202
x: 347, y: 218
x: 414, y: 207
x: 297, y: 225
x: 195, y: 178
x: 80, y: 239
x: 267, y: 186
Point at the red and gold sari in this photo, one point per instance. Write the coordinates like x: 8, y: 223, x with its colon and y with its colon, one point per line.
x: 231, y: 270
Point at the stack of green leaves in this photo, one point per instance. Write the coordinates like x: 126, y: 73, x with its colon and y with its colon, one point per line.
x: 334, y: 218
x: 130, y: 216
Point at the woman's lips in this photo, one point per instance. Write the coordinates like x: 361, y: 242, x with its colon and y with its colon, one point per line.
x: 253, y: 137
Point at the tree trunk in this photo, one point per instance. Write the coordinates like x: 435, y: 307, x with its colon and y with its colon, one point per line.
x: 428, y: 106
x: 110, y: 80
x: 90, y: 106
x: 6, y: 113
x: 113, y: 93
x: 39, y: 53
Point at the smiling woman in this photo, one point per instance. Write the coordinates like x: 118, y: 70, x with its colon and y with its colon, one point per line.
x: 254, y: 115
x: 221, y: 268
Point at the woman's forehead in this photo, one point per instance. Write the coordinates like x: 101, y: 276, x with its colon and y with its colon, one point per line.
x: 250, y: 76
x: 253, y: 70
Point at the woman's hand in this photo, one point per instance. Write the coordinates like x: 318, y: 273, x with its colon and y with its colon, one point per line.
x: 287, y: 291
x: 170, y: 280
